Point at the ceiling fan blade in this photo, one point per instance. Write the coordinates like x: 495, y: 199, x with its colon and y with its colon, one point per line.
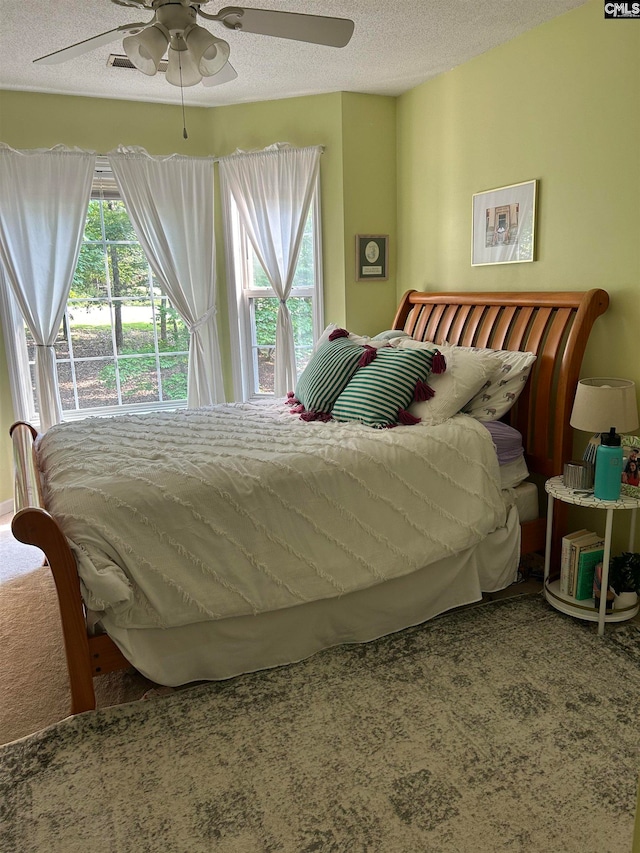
x: 86, y: 45
x: 317, y: 29
x: 225, y: 75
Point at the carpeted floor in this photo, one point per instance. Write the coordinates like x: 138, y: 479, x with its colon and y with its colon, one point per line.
x: 503, y: 727
x: 33, y: 674
x: 33, y: 668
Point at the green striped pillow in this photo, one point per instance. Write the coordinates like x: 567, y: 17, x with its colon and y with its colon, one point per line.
x: 327, y: 373
x: 377, y: 391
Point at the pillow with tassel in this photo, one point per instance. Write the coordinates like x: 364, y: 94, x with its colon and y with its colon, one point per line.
x: 326, y: 374
x: 380, y: 391
x: 466, y: 373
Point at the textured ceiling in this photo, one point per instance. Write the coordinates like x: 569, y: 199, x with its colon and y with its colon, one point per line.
x: 396, y: 45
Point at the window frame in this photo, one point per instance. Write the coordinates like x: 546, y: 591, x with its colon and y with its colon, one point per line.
x: 241, y: 295
x: 104, y: 187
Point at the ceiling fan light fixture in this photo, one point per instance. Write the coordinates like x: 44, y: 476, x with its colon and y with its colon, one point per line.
x: 182, y: 69
x: 146, y: 48
x: 209, y: 53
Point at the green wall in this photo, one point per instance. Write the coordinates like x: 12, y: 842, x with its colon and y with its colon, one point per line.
x: 560, y: 103
x: 370, y: 197
x: 29, y: 120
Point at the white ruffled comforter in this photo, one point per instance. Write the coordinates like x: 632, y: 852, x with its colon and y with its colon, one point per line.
x: 185, y: 516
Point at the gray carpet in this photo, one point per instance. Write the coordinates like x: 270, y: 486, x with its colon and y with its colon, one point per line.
x: 504, y: 727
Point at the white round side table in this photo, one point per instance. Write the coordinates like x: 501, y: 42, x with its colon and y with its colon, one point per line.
x: 556, y: 490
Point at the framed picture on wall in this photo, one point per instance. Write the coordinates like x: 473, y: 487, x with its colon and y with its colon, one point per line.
x: 372, y: 257
x: 503, y: 225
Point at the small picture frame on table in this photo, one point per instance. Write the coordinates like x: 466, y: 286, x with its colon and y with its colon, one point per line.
x: 372, y: 257
x: 631, y: 466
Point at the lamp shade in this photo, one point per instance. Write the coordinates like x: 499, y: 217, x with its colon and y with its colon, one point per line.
x: 182, y: 69
x: 146, y: 49
x: 209, y: 53
x: 603, y: 402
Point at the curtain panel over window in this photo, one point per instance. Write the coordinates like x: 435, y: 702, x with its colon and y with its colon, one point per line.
x: 43, y: 205
x: 170, y: 204
x: 272, y: 190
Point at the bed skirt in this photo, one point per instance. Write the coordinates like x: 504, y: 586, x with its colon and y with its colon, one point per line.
x: 214, y: 650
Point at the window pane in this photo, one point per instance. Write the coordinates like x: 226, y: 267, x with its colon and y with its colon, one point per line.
x: 32, y: 371
x: 65, y: 384
x: 305, y: 270
x: 265, y: 358
x: 138, y: 379
x: 90, y: 326
x: 93, y: 225
x: 173, y: 335
x: 96, y: 383
x: 302, y: 320
x: 128, y: 270
x: 264, y: 315
x: 259, y: 276
x: 133, y: 324
x: 90, y: 278
x: 117, y: 225
x: 173, y: 371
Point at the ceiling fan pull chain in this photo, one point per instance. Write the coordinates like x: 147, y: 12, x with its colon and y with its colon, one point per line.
x: 184, y: 121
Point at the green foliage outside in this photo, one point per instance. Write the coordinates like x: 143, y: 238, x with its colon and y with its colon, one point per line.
x: 266, y: 309
x: 124, y: 264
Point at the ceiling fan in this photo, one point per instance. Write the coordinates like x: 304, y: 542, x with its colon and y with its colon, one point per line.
x: 194, y: 54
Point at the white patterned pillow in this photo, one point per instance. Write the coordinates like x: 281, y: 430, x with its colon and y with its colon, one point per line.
x: 327, y: 373
x: 465, y: 375
x: 362, y: 340
x: 504, y: 387
x: 377, y: 392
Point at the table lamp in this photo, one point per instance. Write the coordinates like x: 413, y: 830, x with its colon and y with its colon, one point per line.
x: 601, y: 403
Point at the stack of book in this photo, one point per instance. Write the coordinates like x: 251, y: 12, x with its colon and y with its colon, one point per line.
x: 581, y: 553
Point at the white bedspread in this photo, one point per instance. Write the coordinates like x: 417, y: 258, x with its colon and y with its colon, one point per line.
x: 180, y: 517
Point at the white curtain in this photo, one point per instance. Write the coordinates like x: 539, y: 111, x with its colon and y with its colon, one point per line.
x: 15, y: 344
x: 170, y: 203
x: 43, y: 207
x: 272, y: 190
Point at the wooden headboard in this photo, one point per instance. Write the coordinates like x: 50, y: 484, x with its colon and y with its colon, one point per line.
x: 554, y: 325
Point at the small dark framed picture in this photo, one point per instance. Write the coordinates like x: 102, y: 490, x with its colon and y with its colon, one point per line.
x: 372, y: 257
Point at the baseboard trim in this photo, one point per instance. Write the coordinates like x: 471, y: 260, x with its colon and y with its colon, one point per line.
x: 6, y: 507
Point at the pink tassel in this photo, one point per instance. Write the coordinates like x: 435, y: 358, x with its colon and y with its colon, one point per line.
x: 315, y: 416
x: 291, y: 394
x: 297, y: 410
x: 439, y: 363
x: 338, y: 333
x: 422, y: 392
x: 367, y: 356
x: 292, y: 401
x: 406, y: 418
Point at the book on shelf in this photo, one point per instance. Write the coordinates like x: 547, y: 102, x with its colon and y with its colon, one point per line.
x: 579, y: 547
x: 565, y: 558
x: 588, y: 558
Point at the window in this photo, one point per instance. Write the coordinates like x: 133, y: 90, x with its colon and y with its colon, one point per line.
x: 256, y: 304
x: 121, y: 345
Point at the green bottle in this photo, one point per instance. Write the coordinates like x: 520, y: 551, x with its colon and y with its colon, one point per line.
x: 608, y: 476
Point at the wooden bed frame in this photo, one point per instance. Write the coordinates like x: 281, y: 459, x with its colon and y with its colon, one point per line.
x: 555, y: 326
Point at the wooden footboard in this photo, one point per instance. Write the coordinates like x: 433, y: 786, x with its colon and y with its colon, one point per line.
x: 32, y: 524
